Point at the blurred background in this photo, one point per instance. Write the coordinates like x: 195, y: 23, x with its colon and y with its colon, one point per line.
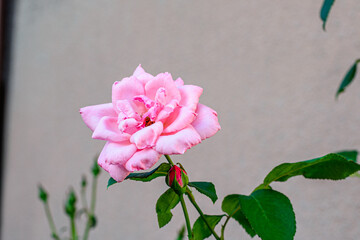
x: 266, y: 67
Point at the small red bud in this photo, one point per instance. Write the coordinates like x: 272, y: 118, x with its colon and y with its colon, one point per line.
x: 177, y: 179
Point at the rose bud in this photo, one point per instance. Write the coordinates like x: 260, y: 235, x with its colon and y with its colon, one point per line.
x: 177, y: 179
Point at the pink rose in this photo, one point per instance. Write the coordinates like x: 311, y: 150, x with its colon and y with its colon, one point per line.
x: 149, y: 116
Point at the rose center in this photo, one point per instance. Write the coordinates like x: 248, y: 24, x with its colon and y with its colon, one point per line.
x: 148, y: 122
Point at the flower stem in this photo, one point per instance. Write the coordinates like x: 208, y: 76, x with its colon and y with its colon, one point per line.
x: 192, y: 200
x: 169, y: 159
x: 73, y: 228
x: 227, y: 220
x: 51, y: 221
x: 90, y: 212
x: 188, y: 225
x: 83, y: 199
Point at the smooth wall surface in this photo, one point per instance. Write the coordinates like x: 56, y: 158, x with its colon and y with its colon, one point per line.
x: 266, y: 67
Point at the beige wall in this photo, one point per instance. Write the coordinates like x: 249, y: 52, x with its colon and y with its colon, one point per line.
x: 266, y: 67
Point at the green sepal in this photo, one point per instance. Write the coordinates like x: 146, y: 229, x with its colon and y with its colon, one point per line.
x: 206, y: 188
x: 93, y: 221
x: 95, y: 169
x: 70, y: 205
x: 231, y: 205
x: 83, y: 181
x: 201, y: 230
x: 325, y: 10
x: 175, y: 184
x: 43, y: 195
x: 185, y: 180
x: 331, y: 166
x: 349, y: 77
x: 269, y: 213
x: 164, y: 204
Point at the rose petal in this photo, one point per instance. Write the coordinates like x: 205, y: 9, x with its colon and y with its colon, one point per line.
x: 163, y: 80
x: 178, y: 142
x: 108, y: 130
x: 92, y: 114
x: 206, y: 122
x: 179, y: 82
x: 129, y: 125
x: 147, y: 136
x: 127, y: 89
x: 117, y: 153
x: 126, y: 110
x: 160, y: 96
x: 190, y: 95
x: 117, y: 172
x: 142, y: 160
x: 148, y: 103
x: 141, y: 75
x: 179, y: 119
x: 167, y: 110
x: 113, y: 157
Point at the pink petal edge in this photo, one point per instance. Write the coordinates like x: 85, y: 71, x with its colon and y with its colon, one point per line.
x: 142, y: 160
x: 147, y: 136
x: 190, y: 95
x: 117, y: 153
x: 179, y: 119
x: 92, y: 114
x: 178, y: 142
x: 108, y: 130
x: 206, y: 122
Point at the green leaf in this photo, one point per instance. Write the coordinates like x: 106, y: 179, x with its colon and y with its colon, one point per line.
x: 201, y: 230
x: 181, y: 233
x: 231, y: 205
x: 325, y: 9
x: 348, y: 78
x: 206, y: 188
x: 349, y: 155
x: 42, y: 194
x: 164, y: 204
x: 332, y: 166
x: 161, y: 170
x: 111, y: 182
x: 270, y: 214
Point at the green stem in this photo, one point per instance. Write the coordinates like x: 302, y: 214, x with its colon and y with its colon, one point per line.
x: 51, y: 221
x: 73, y: 228
x: 93, y: 196
x: 169, y: 160
x: 227, y: 220
x: 83, y: 199
x: 192, y: 200
x: 188, y: 225
x: 90, y: 213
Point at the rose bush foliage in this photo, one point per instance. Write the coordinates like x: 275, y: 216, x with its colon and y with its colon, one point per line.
x: 149, y: 116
